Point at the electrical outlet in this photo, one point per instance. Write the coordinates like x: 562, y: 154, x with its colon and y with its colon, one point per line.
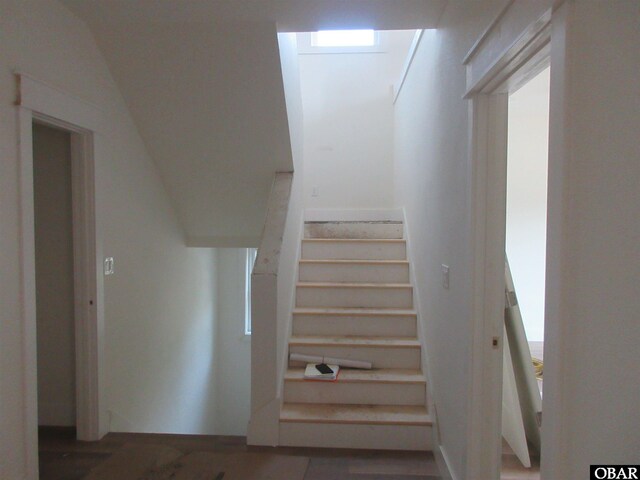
x: 445, y: 276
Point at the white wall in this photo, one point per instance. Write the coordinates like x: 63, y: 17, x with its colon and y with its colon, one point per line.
x: 432, y: 183
x: 233, y: 370
x: 526, y: 234
x: 290, y: 250
x: 348, y: 121
x: 593, y: 298
x: 216, y: 135
x: 54, y: 276
x: 274, y: 275
x: 159, y: 305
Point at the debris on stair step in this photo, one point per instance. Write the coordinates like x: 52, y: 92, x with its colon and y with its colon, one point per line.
x: 342, y: 362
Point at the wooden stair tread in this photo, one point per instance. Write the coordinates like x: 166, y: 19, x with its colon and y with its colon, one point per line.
x: 382, y: 375
x: 354, y: 341
x: 351, y: 222
x: 355, y: 414
x: 351, y: 285
x: 352, y: 262
x: 355, y: 311
x: 354, y: 240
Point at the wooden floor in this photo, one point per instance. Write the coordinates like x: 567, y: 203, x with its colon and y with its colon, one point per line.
x: 64, y: 458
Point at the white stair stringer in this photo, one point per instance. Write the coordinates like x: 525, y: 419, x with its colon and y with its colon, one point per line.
x: 354, y: 300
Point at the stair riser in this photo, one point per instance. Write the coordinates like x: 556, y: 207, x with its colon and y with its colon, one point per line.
x: 400, y: 326
x: 374, y: 437
x: 353, y: 230
x: 336, y: 272
x: 354, y: 393
x: 382, y: 357
x: 354, y: 250
x: 354, y: 297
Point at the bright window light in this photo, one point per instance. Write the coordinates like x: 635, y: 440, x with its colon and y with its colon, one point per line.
x: 343, y: 38
x: 251, y: 259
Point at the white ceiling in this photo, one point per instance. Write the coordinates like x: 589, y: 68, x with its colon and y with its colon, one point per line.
x: 202, y: 81
x: 289, y: 15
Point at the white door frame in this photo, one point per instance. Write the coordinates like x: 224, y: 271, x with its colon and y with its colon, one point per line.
x: 514, y: 49
x: 40, y: 102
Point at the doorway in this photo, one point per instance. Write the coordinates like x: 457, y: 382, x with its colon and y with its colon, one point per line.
x: 525, y: 246
x: 514, y: 49
x: 40, y: 104
x: 526, y: 225
x: 55, y: 318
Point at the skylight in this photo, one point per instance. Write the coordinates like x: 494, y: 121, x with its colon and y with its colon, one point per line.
x: 343, y: 38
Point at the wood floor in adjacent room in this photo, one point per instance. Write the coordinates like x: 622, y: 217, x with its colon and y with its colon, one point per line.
x: 64, y: 458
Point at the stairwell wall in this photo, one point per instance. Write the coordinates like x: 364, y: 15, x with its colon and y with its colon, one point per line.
x: 348, y: 106
x: 159, y: 305
x: 290, y: 254
x: 432, y: 184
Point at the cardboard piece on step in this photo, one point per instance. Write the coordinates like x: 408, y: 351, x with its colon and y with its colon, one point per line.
x: 321, y: 371
x: 342, y: 362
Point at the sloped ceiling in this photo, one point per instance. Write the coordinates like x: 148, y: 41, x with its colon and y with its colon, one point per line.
x: 202, y: 81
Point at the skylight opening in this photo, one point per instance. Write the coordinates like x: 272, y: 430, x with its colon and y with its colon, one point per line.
x: 343, y: 38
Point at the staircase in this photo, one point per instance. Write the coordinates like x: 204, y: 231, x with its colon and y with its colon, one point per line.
x: 354, y: 300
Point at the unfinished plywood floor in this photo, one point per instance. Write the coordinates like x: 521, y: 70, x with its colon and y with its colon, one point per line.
x: 64, y: 458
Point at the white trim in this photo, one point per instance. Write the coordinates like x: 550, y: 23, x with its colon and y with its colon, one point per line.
x: 517, y: 33
x: 488, y: 93
x: 28, y: 292
x: 41, y: 102
x: 421, y: 331
x: 353, y: 215
x: 397, y: 87
x: 249, y: 262
x: 444, y: 464
x: 292, y: 304
x: 265, y: 404
x: 58, y: 105
x: 488, y: 121
x: 484, y: 35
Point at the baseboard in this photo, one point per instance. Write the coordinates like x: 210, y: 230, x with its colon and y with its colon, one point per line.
x: 352, y: 214
x: 444, y: 465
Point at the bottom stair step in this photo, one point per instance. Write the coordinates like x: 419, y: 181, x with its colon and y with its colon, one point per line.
x: 355, y: 426
x: 355, y: 414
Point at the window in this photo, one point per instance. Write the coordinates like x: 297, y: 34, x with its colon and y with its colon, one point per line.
x: 342, y: 41
x: 251, y: 259
x: 343, y: 38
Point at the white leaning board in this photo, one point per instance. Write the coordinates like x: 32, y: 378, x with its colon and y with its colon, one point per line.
x: 512, y: 423
x: 521, y: 398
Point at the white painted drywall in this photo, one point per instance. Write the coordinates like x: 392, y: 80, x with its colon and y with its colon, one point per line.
x: 160, y: 304
x: 432, y: 183
x: 348, y: 121
x: 216, y: 134
x: 526, y: 233
x: 290, y: 15
x: 233, y: 354
x: 274, y: 276
x: 291, y: 239
x: 54, y: 276
x: 591, y: 382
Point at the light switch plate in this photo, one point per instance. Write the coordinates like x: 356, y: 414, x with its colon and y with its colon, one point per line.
x: 108, y: 266
x: 445, y: 276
